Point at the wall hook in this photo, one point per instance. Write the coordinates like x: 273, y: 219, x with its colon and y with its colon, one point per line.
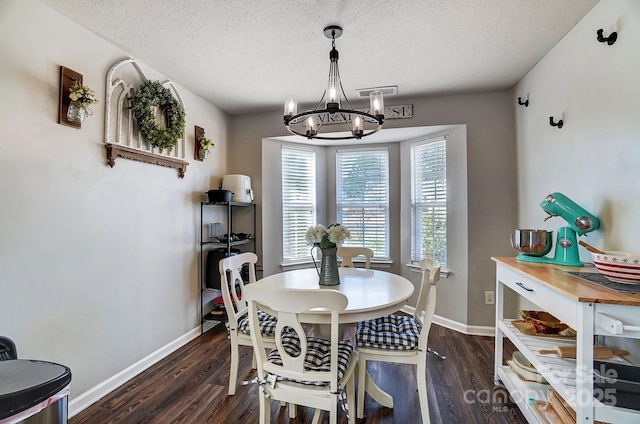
x: 610, y: 39
x: 521, y: 103
x: 558, y: 124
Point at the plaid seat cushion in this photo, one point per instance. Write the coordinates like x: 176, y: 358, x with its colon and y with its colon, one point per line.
x: 393, y: 332
x: 267, y: 324
x: 318, y: 355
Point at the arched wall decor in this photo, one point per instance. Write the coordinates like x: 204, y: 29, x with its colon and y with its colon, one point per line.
x: 122, y: 137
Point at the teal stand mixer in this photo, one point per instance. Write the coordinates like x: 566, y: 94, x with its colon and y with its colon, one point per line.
x: 535, y: 244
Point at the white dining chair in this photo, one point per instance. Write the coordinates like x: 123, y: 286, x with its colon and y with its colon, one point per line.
x: 347, y: 253
x: 303, y: 369
x: 232, y: 287
x: 401, y: 339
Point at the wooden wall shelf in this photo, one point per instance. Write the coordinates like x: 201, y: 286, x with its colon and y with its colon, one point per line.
x: 122, y: 137
x: 114, y: 151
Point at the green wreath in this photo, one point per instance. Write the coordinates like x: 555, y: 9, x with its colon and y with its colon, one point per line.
x: 150, y: 94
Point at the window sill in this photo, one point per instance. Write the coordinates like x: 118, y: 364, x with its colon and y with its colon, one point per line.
x: 380, y: 263
x: 375, y: 264
x: 414, y: 267
x: 290, y: 266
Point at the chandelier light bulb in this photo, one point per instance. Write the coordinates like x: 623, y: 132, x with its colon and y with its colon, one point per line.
x: 358, y: 127
x: 311, y: 124
x: 357, y: 123
x: 311, y: 127
x: 376, y: 100
x: 290, y: 106
x: 332, y: 95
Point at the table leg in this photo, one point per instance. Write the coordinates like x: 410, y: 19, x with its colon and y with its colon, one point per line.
x: 376, y: 393
x: 317, y: 331
x: 324, y: 331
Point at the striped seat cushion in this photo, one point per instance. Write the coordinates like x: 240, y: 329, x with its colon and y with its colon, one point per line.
x: 318, y: 356
x: 267, y: 324
x: 393, y: 332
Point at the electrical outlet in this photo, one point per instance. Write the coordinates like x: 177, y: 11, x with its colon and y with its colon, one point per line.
x: 489, y: 298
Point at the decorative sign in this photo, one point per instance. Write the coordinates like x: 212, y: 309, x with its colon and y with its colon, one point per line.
x: 390, y: 112
x: 196, y: 144
x: 68, y: 78
x: 398, y: 112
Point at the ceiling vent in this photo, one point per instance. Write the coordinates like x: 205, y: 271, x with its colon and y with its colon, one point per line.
x: 387, y: 91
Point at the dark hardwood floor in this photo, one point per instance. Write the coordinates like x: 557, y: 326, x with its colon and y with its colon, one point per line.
x: 190, y: 386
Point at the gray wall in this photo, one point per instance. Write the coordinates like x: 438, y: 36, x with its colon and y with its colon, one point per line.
x: 491, y: 186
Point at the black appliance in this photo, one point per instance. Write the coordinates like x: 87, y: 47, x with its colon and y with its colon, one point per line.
x: 212, y: 280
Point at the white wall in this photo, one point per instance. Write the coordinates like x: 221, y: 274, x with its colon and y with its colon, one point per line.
x: 594, y: 159
x: 98, y: 265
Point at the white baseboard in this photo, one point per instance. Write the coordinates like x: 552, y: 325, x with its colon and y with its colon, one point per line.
x: 472, y: 330
x: 97, y: 392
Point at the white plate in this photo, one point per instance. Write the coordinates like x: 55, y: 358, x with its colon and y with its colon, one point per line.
x: 521, y: 361
x: 525, y: 375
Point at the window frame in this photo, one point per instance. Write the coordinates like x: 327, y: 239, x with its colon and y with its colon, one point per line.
x: 311, y: 206
x: 438, y: 203
x: 384, y: 204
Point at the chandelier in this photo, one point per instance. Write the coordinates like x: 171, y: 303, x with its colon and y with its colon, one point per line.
x: 309, y: 124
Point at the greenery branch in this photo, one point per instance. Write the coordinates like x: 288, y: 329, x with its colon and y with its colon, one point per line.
x: 153, y: 94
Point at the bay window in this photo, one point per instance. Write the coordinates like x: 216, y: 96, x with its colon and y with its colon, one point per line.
x: 362, y: 197
x: 429, y: 200
x: 298, y: 202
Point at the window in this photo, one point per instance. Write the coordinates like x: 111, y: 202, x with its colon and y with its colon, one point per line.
x: 429, y: 200
x: 298, y: 202
x: 362, y: 197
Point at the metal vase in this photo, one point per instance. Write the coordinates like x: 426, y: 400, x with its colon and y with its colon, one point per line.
x: 76, y: 113
x: 329, y: 267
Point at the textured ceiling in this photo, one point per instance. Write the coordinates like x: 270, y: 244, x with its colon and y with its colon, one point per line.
x: 246, y: 55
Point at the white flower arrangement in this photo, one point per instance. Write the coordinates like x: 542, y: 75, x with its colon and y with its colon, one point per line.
x: 205, y: 143
x: 330, y: 236
x: 83, y: 95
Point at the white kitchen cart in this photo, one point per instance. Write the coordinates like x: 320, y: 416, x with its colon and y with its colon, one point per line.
x: 589, y: 309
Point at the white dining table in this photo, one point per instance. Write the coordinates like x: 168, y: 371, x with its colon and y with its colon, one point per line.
x: 371, y: 294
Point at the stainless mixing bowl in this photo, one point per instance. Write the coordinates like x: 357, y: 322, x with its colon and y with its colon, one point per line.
x: 532, y: 242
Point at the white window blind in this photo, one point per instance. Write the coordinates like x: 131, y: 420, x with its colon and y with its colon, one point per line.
x: 429, y: 200
x: 298, y: 202
x: 362, y: 197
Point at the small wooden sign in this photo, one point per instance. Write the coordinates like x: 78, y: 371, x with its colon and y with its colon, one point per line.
x: 196, y: 149
x: 68, y: 79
